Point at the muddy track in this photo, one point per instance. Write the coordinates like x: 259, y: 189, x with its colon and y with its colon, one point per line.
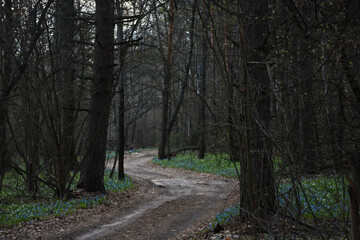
x: 186, y: 200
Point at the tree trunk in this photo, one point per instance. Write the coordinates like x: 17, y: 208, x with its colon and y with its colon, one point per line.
x: 31, y: 120
x: 92, y: 176
x: 6, y: 79
x: 184, y: 84
x: 167, y: 84
x: 355, y: 219
x: 354, y: 195
x: 64, y: 35
x: 121, y: 126
x: 121, y: 147
x: 257, y: 184
x: 202, y: 84
x: 4, y: 154
x: 307, y: 115
x: 32, y: 123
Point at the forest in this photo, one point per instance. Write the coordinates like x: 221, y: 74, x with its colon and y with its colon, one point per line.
x: 269, y: 90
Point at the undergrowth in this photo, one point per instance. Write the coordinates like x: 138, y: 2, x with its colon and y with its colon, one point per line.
x: 215, y: 164
x: 225, y: 216
x: 17, y: 207
x: 320, y: 196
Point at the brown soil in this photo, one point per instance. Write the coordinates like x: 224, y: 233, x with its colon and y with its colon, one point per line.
x: 168, y: 204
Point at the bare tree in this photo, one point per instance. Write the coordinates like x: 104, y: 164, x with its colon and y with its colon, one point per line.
x: 8, y: 46
x: 64, y: 67
x: 121, y: 126
x: 10, y: 76
x: 167, y: 66
x: 202, y: 79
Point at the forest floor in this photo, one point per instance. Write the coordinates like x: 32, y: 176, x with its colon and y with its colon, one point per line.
x: 167, y: 204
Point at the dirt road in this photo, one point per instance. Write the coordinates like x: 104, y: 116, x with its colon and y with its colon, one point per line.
x: 168, y: 204
x: 185, y: 201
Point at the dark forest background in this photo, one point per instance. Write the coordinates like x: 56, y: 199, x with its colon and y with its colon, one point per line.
x: 275, y: 84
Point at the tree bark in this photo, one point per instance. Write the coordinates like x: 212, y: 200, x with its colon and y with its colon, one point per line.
x: 64, y: 36
x: 167, y: 84
x: 354, y: 211
x: 6, y: 79
x: 121, y: 126
x: 307, y: 160
x: 121, y: 147
x: 92, y: 176
x: 202, y: 84
x: 257, y: 182
x: 184, y: 83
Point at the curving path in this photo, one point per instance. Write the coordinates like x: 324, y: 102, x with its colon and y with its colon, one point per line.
x: 185, y: 201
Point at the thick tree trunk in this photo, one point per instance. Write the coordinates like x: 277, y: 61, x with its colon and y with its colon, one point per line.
x: 121, y: 125
x: 355, y: 219
x: 202, y: 84
x: 167, y: 84
x: 6, y: 79
x: 164, y: 120
x: 351, y: 73
x: 65, y: 17
x: 257, y: 184
x: 93, y: 170
x: 354, y: 195
x: 4, y: 154
x: 121, y: 147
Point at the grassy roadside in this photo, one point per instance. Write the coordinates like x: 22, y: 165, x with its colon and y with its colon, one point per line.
x: 215, y: 164
x: 16, y: 207
x: 322, y: 197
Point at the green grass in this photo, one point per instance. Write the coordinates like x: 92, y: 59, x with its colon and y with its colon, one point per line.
x: 16, y: 213
x: 225, y: 216
x: 114, y: 185
x: 218, y: 165
x: 16, y: 207
x: 326, y: 197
